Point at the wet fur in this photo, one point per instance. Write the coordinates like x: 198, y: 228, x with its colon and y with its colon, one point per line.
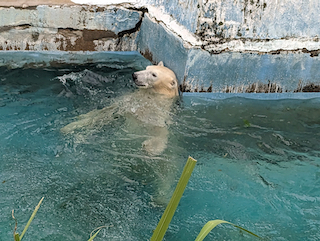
x: 148, y: 107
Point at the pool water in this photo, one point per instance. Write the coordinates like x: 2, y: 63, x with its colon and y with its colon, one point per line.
x: 258, y: 162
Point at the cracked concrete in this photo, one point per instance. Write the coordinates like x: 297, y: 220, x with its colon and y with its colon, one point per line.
x: 69, y: 28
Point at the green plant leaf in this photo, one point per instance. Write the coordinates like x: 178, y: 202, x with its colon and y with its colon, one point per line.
x: 207, y: 228
x: 212, y: 224
x: 98, y: 230
x: 165, y: 220
x: 93, y: 236
x: 31, y: 218
x: 16, y: 237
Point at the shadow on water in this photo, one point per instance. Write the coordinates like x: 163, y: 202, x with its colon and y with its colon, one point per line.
x: 258, y: 162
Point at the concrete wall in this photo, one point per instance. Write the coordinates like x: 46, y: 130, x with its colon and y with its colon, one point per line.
x: 69, y: 28
x: 242, y: 45
x: 186, y: 12
x: 254, y: 19
x: 212, y: 45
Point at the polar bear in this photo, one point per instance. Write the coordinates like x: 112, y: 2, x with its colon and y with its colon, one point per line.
x: 148, y: 107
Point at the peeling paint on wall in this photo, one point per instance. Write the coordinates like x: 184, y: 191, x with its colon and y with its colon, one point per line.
x: 72, y: 28
x: 231, y: 46
x: 249, y: 25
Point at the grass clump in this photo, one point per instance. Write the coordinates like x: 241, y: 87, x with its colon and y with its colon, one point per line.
x: 173, y: 204
x: 17, y: 236
x: 165, y: 219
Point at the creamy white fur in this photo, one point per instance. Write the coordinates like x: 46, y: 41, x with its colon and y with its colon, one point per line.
x: 149, y: 107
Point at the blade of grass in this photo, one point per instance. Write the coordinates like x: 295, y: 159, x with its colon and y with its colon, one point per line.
x: 99, y: 229
x: 174, y: 201
x: 212, y: 224
x: 16, y: 237
x: 15, y: 234
x: 207, y: 228
x: 31, y: 218
x: 93, y: 236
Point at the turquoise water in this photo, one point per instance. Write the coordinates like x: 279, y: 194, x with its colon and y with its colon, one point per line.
x: 258, y: 162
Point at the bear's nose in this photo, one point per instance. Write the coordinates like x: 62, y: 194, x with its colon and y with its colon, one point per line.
x: 134, y: 76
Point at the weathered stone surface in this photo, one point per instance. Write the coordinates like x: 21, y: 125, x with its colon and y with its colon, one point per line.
x: 250, y: 73
x: 69, y: 28
x: 218, y: 57
x: 157, y: 44
x: 186, y: 12
x: 253, y: 26
x: 228, y: 71
x: 256, y: 19
x: 29, y: 3
x: 240, y: 46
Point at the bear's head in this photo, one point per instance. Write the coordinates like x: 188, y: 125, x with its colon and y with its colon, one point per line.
x: 158, y: 78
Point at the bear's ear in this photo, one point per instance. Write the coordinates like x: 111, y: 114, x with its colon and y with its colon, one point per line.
x: 160, y: 63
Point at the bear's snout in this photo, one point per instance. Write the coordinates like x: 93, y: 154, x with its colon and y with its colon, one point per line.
x: 136, y: 80
x: 134, y: 76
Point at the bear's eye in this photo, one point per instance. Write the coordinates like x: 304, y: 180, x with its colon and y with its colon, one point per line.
x: 154, y: 75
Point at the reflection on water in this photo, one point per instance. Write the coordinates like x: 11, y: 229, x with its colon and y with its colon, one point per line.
x: 258, y: 162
